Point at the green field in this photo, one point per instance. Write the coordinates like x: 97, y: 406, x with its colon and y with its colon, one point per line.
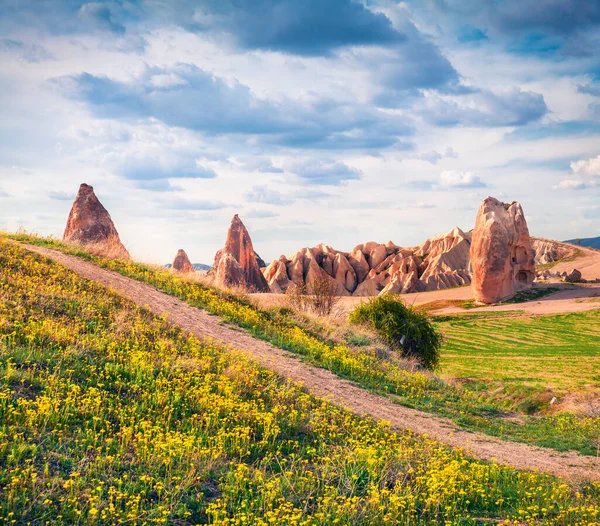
x: 556, y: 355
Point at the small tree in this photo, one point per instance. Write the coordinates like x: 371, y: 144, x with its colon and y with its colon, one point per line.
x: 401, y: 327
x: 324, y: 295
x: 322, y: 300
x: 296, y: 297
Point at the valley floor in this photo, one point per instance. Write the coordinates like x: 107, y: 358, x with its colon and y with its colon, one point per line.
x: 326, y: 384
x: 569, y: 298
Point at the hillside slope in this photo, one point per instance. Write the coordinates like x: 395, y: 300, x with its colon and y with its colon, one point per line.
x: 111, y: 414
x: 363, y: 366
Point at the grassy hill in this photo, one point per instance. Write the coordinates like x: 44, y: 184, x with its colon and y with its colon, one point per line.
x: 352, y: 356
x: 109, y: 415
x: 591, y: 242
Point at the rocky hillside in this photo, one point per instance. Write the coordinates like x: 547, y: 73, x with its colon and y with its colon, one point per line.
x: 548, y: 251
x: 373, y: 268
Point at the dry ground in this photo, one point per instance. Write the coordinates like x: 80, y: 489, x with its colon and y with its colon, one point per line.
x: 572, y: 298
x: 326, y: 384
x: 588, y: 264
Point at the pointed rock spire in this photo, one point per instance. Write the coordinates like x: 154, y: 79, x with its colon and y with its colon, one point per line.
x: 237, y: 264
x: 90, y: 224
x: 182, y: 263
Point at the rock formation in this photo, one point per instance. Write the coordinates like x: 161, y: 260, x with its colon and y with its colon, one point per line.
x: 182, y: 263
x: 237, y: 264
x: 374, y: 268
x: 574, y: 276
x: 89, y: 224
x: 502, y: 259
x: 550, y: 251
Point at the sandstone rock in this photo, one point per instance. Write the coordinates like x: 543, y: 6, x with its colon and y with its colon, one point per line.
x: 327, y: 264
x: 236, y: 264
x: 311, y: 264
x: 277, y: 276
x: 296, y: 268
x: 260, y: 262
x: 359, y: 264
x: 228, y: 271
x: 391, y: 247
x: 446, y: 280
x: 367, y: 248
x: 373, y: 268
x: 377, y: 255
x: 313, y: 271
x: 502, y: 259
x: 182, y: 263
x: 369, y: 287
x: 550, y: 251
x: 447, y: 260
x: 574, y: 276
x: 436, y: 246
x: 344, y: 273
x: 412, y: 283
x: 89, y: 224
x: 393, y: 287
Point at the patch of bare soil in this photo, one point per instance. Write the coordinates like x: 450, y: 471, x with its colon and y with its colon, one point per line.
x: 323, y: 383
x: 588, y: 264
x: 574, y: 298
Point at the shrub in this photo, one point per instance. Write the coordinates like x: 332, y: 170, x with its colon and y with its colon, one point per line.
x: 321, y: 300
x: 324, y: 295
x: 402, y: 327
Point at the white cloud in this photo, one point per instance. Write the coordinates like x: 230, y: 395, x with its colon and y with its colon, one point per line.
x: 167, y: 80
x: 457, y: 179
x: 572, y: 184
x: 587, y: 167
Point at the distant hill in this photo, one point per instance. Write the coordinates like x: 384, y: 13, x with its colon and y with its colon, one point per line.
x: 197, y: 266
x: 592, y: 242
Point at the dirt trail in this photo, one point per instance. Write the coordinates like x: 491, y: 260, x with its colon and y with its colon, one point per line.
x: 573, y: 298
x: 325, y: 384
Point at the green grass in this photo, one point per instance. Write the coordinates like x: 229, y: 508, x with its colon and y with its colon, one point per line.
x: 532, y: 294
x: 474, y: 409
x: 558, y: 353
x: 110, y: 415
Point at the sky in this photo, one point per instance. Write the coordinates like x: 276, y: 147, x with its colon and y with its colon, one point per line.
x: 334, y: 121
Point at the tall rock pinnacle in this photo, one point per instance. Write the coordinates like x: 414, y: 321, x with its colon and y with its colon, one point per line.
x: 89, y: 224
x: 182, y: 263
x: 502, y: 259
x: 236, y: 263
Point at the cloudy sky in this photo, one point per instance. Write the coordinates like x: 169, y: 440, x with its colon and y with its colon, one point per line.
x: 317, y: 120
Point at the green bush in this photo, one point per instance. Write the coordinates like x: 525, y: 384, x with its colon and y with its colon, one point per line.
x: 402, y: 327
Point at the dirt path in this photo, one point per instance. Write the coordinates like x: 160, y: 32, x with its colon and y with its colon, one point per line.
x: 325, y: 384
x: 575, y: 298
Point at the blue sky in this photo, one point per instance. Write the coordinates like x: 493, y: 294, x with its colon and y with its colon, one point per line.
x: 333, y: 121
